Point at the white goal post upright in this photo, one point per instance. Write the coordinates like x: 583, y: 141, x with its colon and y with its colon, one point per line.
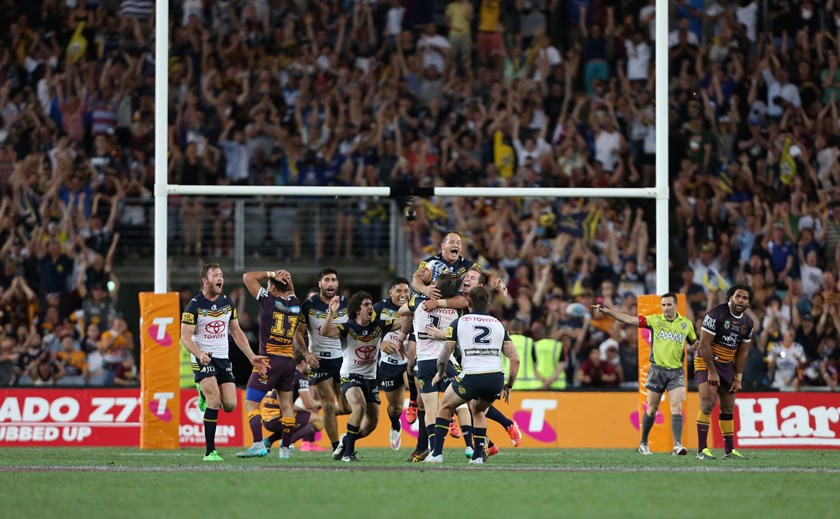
x: 163, y: 189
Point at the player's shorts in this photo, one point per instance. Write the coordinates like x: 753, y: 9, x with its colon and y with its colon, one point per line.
x: 301, y: 419
x: 661, y: 379
x: 222, y: 369
x: 485, y: 386
x: 426, y: 370
x: 390, y: 376
x: 726, y: 372
x: 367, y: 385
x: 280, y: 375
x: 327, y: 368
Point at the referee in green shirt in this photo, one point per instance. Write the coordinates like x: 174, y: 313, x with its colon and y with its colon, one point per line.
x: 669, y: 331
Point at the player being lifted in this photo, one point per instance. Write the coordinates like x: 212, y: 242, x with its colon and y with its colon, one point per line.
x: 206, y: 323
x: 724, y: 344
x: 279, y: 319
x: 669, y: 331
x: 361, y: 334
x: 324, y: 356
x: 391, y: 371
x: 481, y: 339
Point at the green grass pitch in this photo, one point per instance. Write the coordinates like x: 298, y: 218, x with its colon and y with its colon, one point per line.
x: 517, y: 483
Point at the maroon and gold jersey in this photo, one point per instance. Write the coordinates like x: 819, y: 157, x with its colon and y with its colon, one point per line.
x: 279, y: 319
x: 729, y: 331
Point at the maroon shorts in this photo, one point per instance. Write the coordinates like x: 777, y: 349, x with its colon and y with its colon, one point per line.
x: 280, y: 375
x: 301, y: 419
x: 726, y: 372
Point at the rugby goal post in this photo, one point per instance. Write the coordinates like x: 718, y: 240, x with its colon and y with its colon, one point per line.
x: 660, y: 192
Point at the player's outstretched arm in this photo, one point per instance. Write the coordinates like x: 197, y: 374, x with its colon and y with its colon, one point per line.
x: 258, y: 361
x: 618, y: 316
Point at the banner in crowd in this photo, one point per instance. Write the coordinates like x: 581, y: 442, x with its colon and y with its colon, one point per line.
x: 661, y: 438
x: 160, y: 344
x: 100, y: 418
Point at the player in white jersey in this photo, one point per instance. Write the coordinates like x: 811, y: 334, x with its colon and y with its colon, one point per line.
x: 205, y: 324
x: 361, y: 335
x: 324, y: 356
x: 482, y: 340
x: 428, y: 348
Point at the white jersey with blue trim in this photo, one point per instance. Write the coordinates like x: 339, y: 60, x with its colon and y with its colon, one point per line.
x: 212, y: 321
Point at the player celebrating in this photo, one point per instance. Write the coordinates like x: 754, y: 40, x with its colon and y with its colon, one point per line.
x: 391, y: 371
x: 325, y: 352
x: 669, y: 332
x: 482, y: 339
x: 724, y: 344
x: 205, y: 324
x: 279, y: 318
x: 361, y: 333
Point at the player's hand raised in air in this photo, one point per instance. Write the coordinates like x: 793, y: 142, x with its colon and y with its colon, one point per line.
x: 334, y: 303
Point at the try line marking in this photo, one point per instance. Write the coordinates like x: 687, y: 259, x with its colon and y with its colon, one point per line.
x: 412, y: 468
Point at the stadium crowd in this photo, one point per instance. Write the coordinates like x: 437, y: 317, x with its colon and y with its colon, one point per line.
x: 418, y: 93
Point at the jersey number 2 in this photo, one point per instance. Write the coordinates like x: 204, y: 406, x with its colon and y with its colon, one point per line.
x: 481, y: 336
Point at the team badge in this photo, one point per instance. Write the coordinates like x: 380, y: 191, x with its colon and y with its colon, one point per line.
x: 726, y: 324
x: 461, y: 390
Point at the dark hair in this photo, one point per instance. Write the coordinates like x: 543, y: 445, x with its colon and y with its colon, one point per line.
x: 480, y: 299
x: 447, y: 285
x: 671, y: 295
x: 355, y: 303
x: 207, y: 267
x: 740, y: 286
x: 447, y: 233
x: 327, y: 270
x: 399, y: 281
x: 299, y: 357
x: 280, y: 286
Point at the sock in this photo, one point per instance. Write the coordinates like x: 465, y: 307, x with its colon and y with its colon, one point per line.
x: 703, y: 421
x: 210, y: 418
x: 311, y: 436
x: 307, y: 430
x: 677, y: 427
x: 275, y: 436
x: 467, y: 432
x: 350, y: 439
x: 430, y: 433
x: 255, y: 421
x: 395, y: 421
x: 727, y: 427
x: 441, y: 428
x: 497, y: 416
x: 412, y: 389
x: 479, y: 439
x: 422, y: 433
x: 288, y: 425
x: 647, y: 425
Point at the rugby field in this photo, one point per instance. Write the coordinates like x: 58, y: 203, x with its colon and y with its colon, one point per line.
x: 111, y: 483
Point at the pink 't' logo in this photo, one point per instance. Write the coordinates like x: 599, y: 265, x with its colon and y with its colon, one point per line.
x: 154, y: 407
x: 547, y: 434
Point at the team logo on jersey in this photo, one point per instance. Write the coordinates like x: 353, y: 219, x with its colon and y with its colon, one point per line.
x: 726, y: 324
x: 683, y: 326
x: 213, y: 307
x: 366, y: 353
x: 215, y: 329
x: 461, y: 390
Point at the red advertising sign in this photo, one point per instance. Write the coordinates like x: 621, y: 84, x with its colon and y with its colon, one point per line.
x: 98, y: 418
x: 785, y: 420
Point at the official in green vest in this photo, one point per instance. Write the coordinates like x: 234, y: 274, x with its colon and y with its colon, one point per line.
x: 550, y: 367
x: 527, y: 379
x: 669, y: 332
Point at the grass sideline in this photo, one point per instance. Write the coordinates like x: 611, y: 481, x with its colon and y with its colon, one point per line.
x: 111, y: 482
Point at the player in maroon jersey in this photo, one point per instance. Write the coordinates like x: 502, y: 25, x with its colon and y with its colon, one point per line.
x: 724, y: 343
